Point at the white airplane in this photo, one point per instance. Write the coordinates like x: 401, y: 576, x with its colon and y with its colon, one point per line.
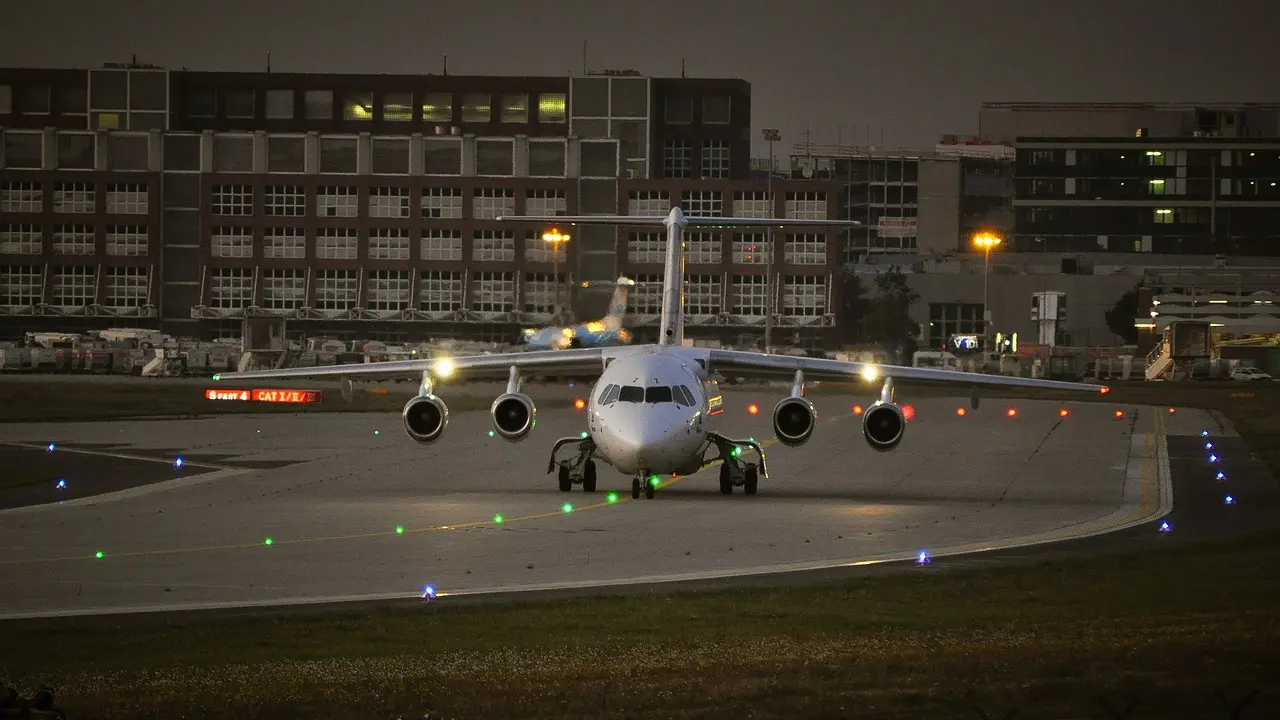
x: 650, y: 412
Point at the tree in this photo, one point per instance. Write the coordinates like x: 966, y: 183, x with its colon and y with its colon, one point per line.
x: 1120, y: 317
x: 853, y: 306
x: 889, y: 315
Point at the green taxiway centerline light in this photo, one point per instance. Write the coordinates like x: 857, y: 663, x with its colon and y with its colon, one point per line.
x: 567, y: 508
x: 497, y: 519
x: 399, y: 529
x: 268, y: 541
x: 98, y: 555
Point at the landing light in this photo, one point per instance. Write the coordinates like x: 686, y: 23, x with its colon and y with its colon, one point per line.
x: 444, y: 367
x: 869, y: 373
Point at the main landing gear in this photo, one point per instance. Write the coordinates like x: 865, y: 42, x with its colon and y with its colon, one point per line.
x: 578, y: 470
x: 734, y: 471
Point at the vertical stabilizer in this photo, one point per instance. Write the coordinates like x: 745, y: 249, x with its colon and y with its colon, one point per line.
x: 671, y: 331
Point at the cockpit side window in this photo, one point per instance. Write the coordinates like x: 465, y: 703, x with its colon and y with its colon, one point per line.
x: 683, y: 396
x: 631, y: 393
x: 657, y: 394
x: 609, y: 395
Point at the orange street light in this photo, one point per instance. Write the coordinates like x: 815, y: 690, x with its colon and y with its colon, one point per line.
x: 986, y: 241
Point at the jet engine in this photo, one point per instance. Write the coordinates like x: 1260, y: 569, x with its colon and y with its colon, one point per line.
x: 425, y: 418
x: 513, y: 415
x: 793, y: 421
x: 883, y: 425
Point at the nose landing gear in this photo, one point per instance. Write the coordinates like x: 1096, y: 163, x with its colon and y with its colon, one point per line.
x: 650, y: 484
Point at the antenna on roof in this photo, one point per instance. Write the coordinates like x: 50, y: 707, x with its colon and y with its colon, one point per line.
x: 584, y: 58
x: 682, y: 76
x: 268, y: 61
x: 446, y: 63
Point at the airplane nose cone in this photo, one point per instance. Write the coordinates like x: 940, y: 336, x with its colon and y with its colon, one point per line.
x: 646, y: 444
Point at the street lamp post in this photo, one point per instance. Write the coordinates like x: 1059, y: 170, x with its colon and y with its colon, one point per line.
x: 987, y: 241
x: 771, y: 135
x: 555, y: 237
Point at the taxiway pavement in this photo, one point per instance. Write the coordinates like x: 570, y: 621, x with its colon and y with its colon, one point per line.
x: 334, y: 507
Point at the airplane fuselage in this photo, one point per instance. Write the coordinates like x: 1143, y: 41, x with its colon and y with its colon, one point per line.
x: 650, y: 411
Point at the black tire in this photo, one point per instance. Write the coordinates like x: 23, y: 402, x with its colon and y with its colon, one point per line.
x: 751, y: 482
x: 589, y: 476
x: 726, y: 480
x: 566, y: 483
x: 649, y: 489
x: 635, y: 488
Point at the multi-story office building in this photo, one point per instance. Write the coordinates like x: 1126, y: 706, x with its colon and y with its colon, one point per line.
x: 351, y: 204
x: 1148, y: 179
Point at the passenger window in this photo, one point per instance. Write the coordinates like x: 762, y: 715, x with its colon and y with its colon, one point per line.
x: 631, y: 393
x: 657, y: 394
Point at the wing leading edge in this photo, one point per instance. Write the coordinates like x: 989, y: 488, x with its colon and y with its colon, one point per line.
x: 738, y: 362
x: 443, y: 368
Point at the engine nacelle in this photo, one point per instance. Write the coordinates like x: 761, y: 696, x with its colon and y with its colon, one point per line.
x: 883, y: 425
x: 513, y: 416
x: 425, y: 418
x: 793, y: 421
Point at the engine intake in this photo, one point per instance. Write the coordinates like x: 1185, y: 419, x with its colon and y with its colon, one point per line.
x: 425, y: 418
x: 793, y: 421
x: 883, y: 425
x: 513, y: 416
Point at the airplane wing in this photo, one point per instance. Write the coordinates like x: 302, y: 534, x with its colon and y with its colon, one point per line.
x: 753, y: 364
x: 585, y: 360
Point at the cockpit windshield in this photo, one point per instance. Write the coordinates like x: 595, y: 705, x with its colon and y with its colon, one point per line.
x: 632, y: 394
x: 679, y: 394
x: 657, y: 394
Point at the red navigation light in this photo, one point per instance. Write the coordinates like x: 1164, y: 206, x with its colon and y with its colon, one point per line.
x: 1063, y: 412
x: 961, y: 412
x: 857, y: 409
x: 1011, y: 412
x: 908, y: 412
x: 579, y: 403
x: 753, y: 408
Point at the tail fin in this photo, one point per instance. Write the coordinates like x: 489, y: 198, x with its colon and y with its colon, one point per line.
x: 671, y: 331
x: 618, y: 305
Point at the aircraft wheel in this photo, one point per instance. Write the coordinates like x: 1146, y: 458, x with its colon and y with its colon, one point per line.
x: 726, y: 480
x: 635, y: 488
x: 649, y: 488
x: 589, y: 476
x: 566, y: 482
x: 750, y: 482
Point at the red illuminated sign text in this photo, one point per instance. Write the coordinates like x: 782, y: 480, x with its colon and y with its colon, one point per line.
x: 211, y: 394
x: 286, y: 396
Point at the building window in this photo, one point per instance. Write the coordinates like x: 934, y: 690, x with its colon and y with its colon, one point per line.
x: 476, y: 108
x: 388, y: 290
x: 284, y: 243
x: 231, y: 288
x: 804, y: 296
x: 279, y: 105
x: 750, y: 296
x: 127, y: 199
x: 76, y: 151
x: 489, y: 203
x: 493, y: 292
x: 440, y: 244
x: 1041, y: 157
x: 79, y: 197
x: 539, y: 293
x: 239, y: 104
x: 946, y: 320
x: 545, y: 202
x: 284, y: 289
x: 337, y: 289
x: 285, y: 201
x: 74, y: 240
x: 231, y: 242
x: 286, y: 154
x: 437, y: 107
x: 126, y: 287
x: 233, y: 153
x: 752, y: 204
x: 1164, y: 216
x: 23, y: 150
x: 339, y: 155
x: 552, y: 107
x: 233, y: 200
x: 397, y: 107
x: 441, y: 156
x: 442, y: 203
x: 21, y: 197
x: 702, y: 203
x: 1156, y: 187
x: 649, y: 202
x: 389, y: 156
x: 73, y: 287
x: 537, y: 250
x: 715, y: 159
x: 515, y: 108
x: 389, y: 202
x: 440, y: 291
x: 6, y: 99
x: 805, y: 250
x: 806, y: 205
x: 679, y: 109
x: 705, y: 295
x: 337, y: 243
x: 750, y: 248
x: 389, y: 244
x: 493, y: 246
x: 21, y: 285
x: 646, y: 296
x: 1156, y: 158
x: 703, y: 248
x: 127, y: 240
x: 21, y: 239
x: 547, y: 158
x: 646, y: 248
x: 677, y: 158
x: 357, y: 106
x: 318, y: 104
x: 495, y: 157
x: 337, y: 201
x: 716, y: 109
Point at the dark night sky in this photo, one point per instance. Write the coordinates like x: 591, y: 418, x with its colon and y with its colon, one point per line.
x: 917, y: 68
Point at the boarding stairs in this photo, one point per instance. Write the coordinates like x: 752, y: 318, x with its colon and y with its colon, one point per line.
x: 1160, y: 362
